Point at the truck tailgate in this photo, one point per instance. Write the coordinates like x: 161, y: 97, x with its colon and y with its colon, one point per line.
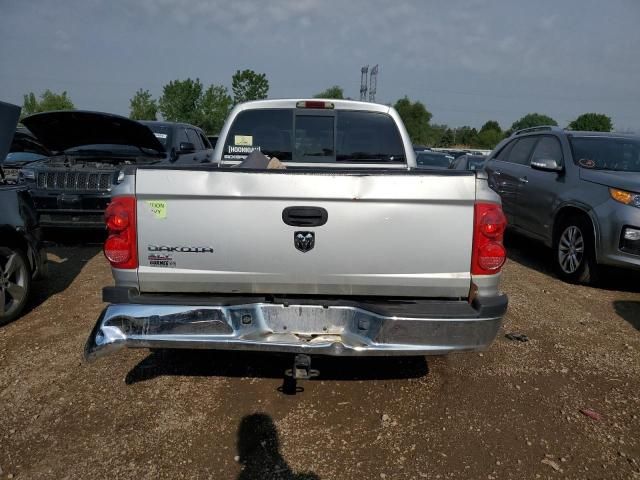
x: 222, y: 231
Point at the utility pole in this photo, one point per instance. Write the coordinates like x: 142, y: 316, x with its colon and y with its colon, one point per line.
x: 363, y: 83
x: 373, y: 83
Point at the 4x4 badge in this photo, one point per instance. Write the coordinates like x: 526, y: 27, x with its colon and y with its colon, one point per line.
x: 304, y: 241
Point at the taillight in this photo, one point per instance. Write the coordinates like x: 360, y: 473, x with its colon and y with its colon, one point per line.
x: 489, y: 253
x: 120, y: 248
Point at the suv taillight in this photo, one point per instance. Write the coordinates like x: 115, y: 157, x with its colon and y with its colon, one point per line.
x: 489, y: 253
x: 120, y: 248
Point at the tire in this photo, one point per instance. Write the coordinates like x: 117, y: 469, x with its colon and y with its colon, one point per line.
x: 574, y: 251
x: 15, y: 283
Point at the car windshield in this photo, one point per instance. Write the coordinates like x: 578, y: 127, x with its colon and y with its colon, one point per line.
x: 432, y: 160
x: 161, y: 132
x: 620, y: 154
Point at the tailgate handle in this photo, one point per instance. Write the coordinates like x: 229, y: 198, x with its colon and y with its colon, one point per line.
x: 304, y: 216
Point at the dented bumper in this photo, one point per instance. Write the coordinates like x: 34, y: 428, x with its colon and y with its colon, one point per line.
x: 312, y: 326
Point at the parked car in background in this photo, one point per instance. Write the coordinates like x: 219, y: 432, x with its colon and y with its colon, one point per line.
x: 184, y: 143
x: 469, y: 162
x: 434, y: 160
x: 311, y: 258
x: 24, y: 150
x: 72, y: 187
x: 213, y: 139
x: 22, y: 256
x: 578, y: 192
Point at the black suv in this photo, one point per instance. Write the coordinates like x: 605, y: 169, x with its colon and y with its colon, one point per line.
x: 72, y: 187
x: 578, y: 192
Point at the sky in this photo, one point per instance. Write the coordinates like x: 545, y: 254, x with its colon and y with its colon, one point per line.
x: 468, y: 61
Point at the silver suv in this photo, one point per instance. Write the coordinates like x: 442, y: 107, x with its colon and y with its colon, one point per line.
x: 578, y: 192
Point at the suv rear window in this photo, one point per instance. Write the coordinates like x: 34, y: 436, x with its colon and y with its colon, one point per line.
x: 322, y: 136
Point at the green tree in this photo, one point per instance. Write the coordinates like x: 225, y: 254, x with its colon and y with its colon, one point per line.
x: 248, y: 85
x: 491, y: 125
x: 594, y: 122
x: 416, y: 119
x: 215, y: 106
x: 489, y: 135
x: 447, y: 138
x: 465, y: 136
x: 180, y: 101
x: 334, y: 92
x: 435, y: 134
x: 531, y: 120
x: 49, y: 101
x: 142, y: 106
x: 489, y: 138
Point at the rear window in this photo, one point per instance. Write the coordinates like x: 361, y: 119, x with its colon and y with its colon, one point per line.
x: 318, y: 136
x: 269, y: 131
x: 368, y: 137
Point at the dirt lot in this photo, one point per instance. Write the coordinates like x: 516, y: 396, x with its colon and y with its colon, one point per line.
x: 511, y: 412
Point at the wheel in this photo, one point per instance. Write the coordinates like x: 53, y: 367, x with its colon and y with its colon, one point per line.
x: 15, y: 283
x: 574, y: 251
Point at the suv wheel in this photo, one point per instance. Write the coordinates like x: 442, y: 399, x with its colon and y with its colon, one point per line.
x: 574, y: 251
x: 15, y: 283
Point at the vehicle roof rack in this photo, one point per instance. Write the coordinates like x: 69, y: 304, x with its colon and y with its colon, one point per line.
x: 541, y: 128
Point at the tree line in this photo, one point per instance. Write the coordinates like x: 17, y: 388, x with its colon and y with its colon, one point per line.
x: 190, y: 102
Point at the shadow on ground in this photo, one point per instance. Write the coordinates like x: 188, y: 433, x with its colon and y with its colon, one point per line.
x: 210, y: 363
x: 259, y: 451
x: 64, y: 265
x: 537, y: 256
x: 629, y: 311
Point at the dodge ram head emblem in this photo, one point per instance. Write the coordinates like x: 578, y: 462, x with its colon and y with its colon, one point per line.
x: 304, y: 241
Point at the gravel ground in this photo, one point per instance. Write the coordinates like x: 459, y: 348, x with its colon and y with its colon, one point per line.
x: 515, y: 411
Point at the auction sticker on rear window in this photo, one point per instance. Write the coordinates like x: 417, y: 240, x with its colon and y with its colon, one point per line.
x: 243, y: 140
x: 158, y: 208
x: 587, y: 163
x: 160, y: 135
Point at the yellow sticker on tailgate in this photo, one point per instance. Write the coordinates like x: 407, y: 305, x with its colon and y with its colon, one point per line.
x: 158, y: 208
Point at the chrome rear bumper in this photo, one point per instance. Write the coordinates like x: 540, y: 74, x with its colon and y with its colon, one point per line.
x: 286, y: 327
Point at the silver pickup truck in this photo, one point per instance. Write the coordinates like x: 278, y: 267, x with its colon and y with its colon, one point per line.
x: 349, y: 250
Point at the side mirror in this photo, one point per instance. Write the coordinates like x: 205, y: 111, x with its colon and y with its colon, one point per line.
x: 187, y: 147
x: 546, y: 165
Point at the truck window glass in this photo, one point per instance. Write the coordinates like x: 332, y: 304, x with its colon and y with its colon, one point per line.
x: 314, y: 138
x: 267, y: 130
x: 368, y: 137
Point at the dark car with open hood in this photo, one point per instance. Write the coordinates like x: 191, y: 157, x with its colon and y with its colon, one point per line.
x: 22, y: 257
x: 24, y: 150
x: 72, y: 187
